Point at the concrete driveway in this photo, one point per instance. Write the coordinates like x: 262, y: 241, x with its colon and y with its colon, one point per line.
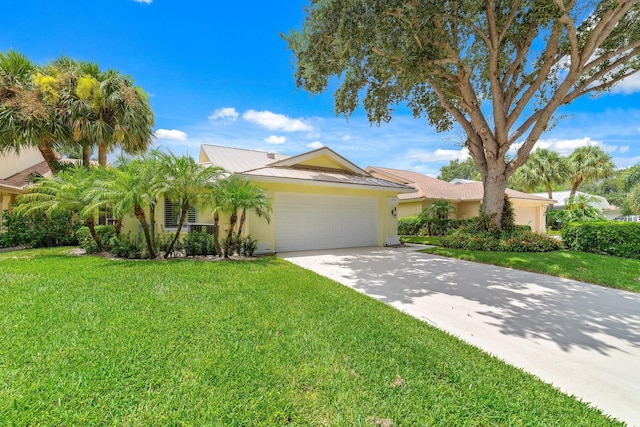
x: 584, y: 339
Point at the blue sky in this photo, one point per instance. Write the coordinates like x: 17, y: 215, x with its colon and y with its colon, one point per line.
x: 218, y: 72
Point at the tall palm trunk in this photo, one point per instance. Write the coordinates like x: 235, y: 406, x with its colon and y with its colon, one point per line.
x: 50, y: 155
x: 139, y: 212
x: 102, y: 155
x: 228, y: 244
x: 86, y: 156
x: 216, y: 233
x: 91, y: 225
x: 183, y: 216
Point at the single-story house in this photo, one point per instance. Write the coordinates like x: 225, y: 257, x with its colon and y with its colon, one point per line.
x: 16, y: 172
x: 320, y: 199
x: 466, y: 196
x: 602, y: 204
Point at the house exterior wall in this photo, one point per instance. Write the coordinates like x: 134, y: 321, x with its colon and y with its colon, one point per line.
x: 12, y: 163
x: 265, y: 232
x: 409, y: 208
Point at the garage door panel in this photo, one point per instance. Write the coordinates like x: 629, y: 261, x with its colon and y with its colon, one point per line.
x: 305, y: 221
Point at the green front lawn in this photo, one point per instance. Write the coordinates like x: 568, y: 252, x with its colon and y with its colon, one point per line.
x: 613, y: 272
x: 93, y: 341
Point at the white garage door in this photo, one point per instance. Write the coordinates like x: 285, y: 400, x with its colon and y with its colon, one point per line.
x: 304, y: 222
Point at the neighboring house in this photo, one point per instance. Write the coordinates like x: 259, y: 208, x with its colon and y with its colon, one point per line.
x: 562, y: 197
x: 466, y: 196
x: 320, y: 199
x: 16, y: 173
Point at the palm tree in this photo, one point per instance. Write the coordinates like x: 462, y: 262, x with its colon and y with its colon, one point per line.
x: 65, y: 192
x: 107, y: 110
x: 238, y: 193
x: 128, y: 189
x: 187, y: 182
x: 544, y: 167
x: 631, y: 184
x: 29, y: 108
x: 587, y: 164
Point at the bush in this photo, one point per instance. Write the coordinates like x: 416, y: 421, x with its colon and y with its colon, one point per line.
x: 247, y: 246
x: 105, y: 234
x: 409, y: 226
x: 126, y: 247
x: 39, y: 230
x: 442, y: 227
x: 476, y: 237
x: 614, y: 238
x: 199, y: 243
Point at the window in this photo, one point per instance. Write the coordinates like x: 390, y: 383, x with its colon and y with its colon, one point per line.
x: 172, y: 214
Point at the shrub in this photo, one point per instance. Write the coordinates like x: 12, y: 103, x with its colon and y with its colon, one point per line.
x: 39, y: 230
x: 86, y: 242
x: 442, y: 227
x: 126, y: 247
x: 519, y: 239
x: 247, y: 246
x: 199, y: 243
x: 615, y: 238
x: 409, y: 226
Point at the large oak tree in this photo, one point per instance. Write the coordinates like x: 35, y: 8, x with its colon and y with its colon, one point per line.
x: 499, y: 68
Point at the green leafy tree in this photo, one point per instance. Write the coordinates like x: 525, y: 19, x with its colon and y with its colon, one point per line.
x: 462, y: 170
x: 236, y: 194
x: 66, y: 192
x: 500, y: 69
x: 545, y: 168
x: 187, y: 183
x: 588, y: 164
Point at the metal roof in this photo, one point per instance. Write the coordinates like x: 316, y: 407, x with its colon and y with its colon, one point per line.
x: 239, y: 159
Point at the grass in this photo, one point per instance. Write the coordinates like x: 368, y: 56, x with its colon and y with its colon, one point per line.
x: 613, y: 272
x: 93, y: 341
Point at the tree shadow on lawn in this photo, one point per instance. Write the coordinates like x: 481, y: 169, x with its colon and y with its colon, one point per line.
x: 523, y: 304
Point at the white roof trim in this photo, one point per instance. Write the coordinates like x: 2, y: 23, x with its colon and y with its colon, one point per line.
x: 292, y: 161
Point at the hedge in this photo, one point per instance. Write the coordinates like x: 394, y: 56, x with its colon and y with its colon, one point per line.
x: 621, y: 239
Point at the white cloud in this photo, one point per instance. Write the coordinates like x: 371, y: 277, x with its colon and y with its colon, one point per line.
x: 346, y: 137
x: 274, y: 121
x: 144, y: 1
x: 628, y: 86
x: 565, y: 147
x: 438, y: 155
x: 623, y: 149
x: 227, y: 113
x: 315, y: 145
x: 171, y: 134
x: 625, y: 162
x: 273, y: 139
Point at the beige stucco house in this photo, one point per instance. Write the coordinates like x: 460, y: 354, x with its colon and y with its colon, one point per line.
x: 320, y: 199
x: 465, y: 196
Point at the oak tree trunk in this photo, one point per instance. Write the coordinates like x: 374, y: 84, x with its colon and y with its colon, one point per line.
x: 495, y: 184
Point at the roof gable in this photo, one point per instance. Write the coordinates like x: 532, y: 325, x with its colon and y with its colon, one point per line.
x: 322, y: 158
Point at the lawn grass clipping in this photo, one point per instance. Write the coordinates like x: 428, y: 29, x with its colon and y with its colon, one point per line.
x: 93, y: 341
